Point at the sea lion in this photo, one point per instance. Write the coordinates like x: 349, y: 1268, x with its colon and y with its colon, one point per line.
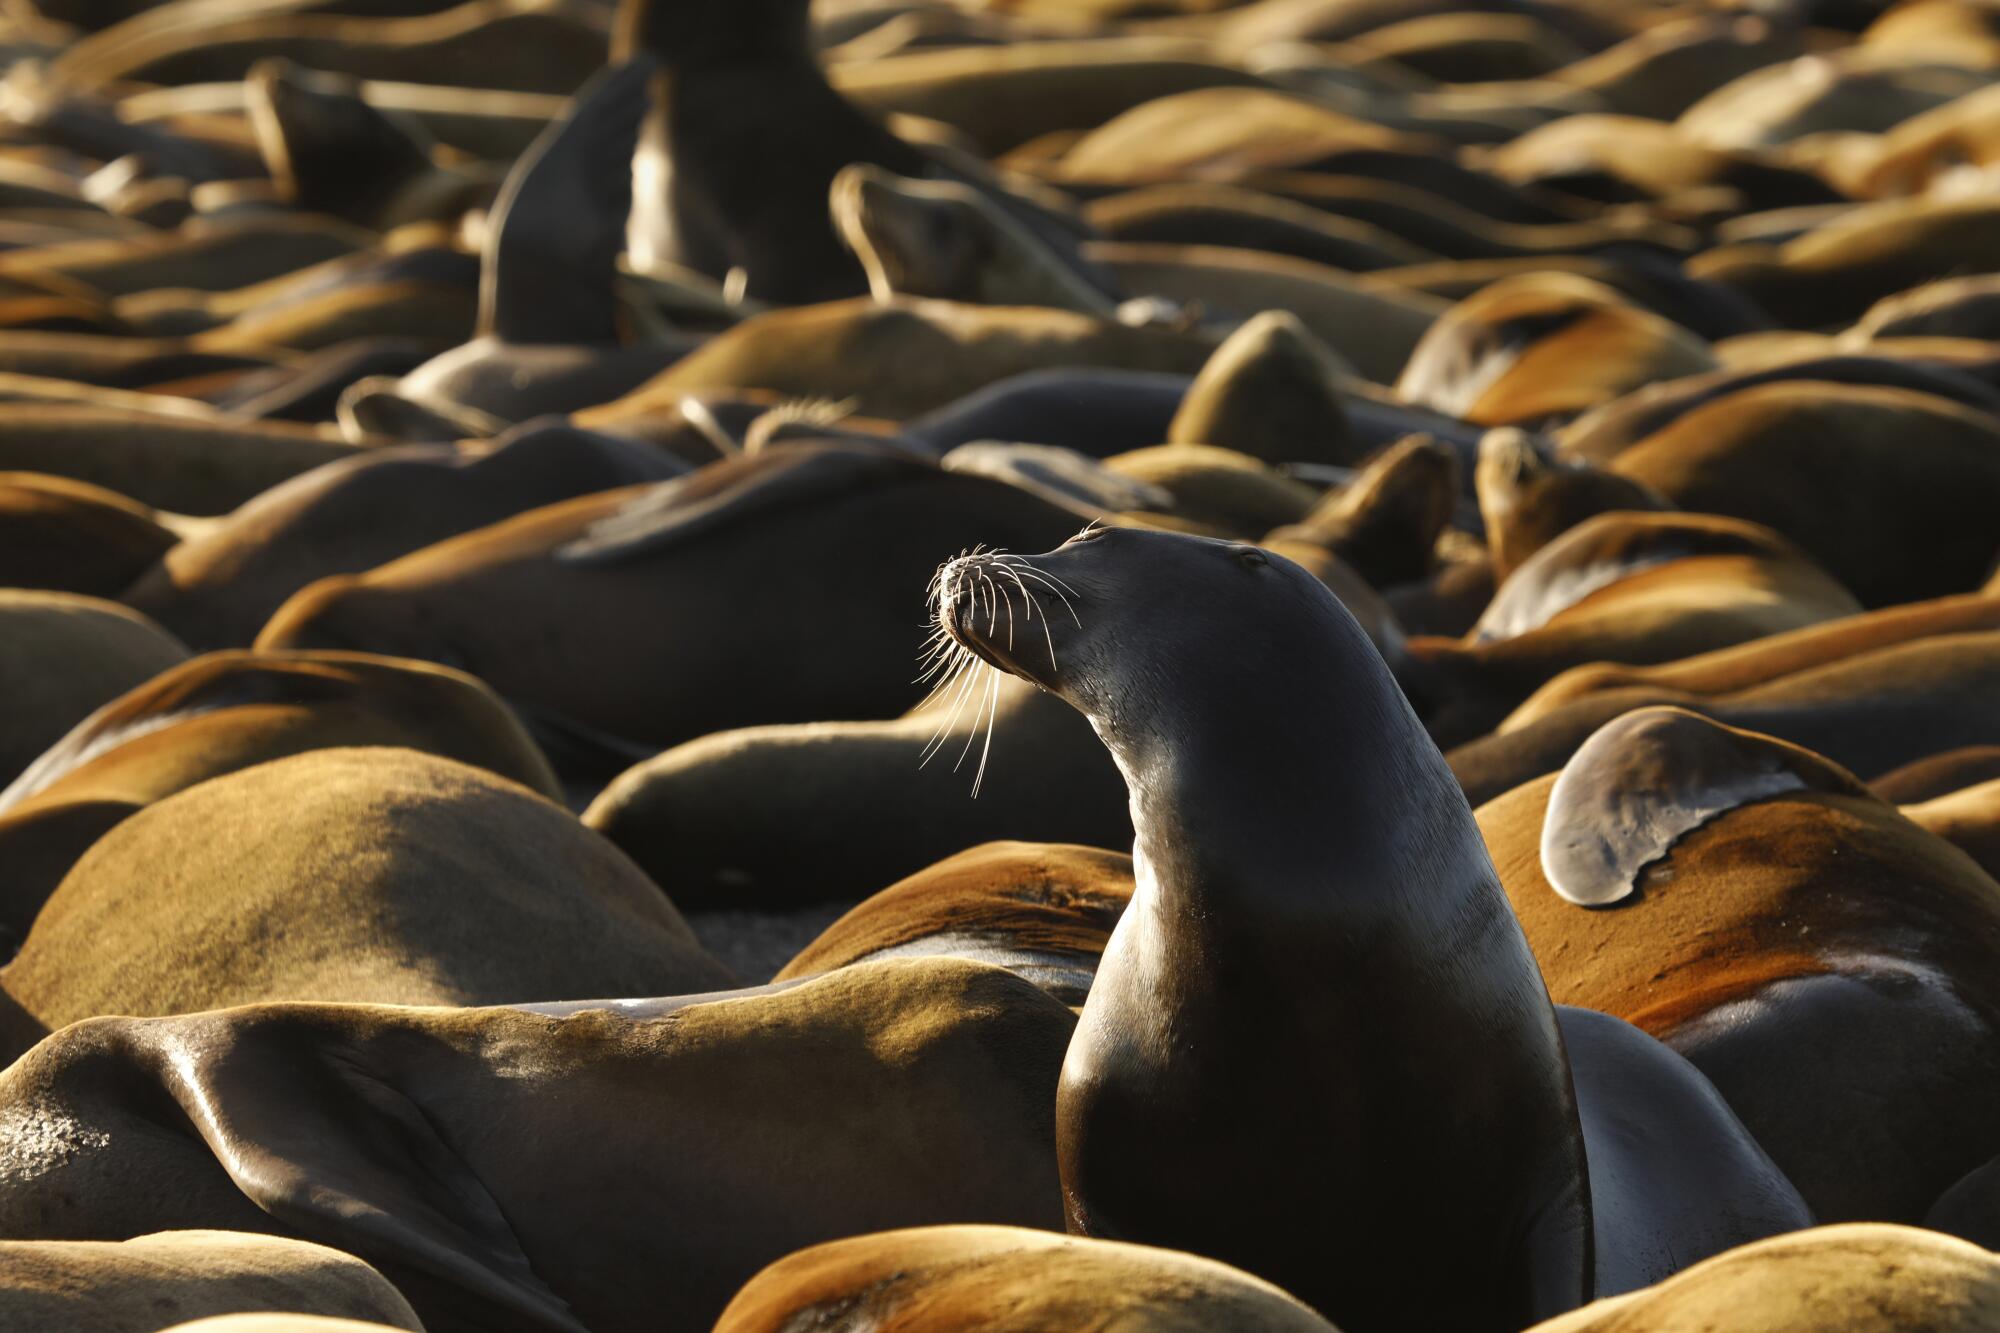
x: 1346, y: 20
x: 1374, y: 331
x: 219, y: 587
x: 1869, y: 1277
x: 902, y: 358
x: 1273, y: 391
x: 1214, y: 133
x: 995, y: 1278
x: 1529, y: 495
x: 1232, y: 949
x: 1938, y: 774
x: 1219, y: 490
x: 329, y: 151
x: 1933, y: 148
x: 1951, y: 308
x: 1623, y: 159
x: 1215, y: 214
x: 1003, y: 97
x: 69, y: 536
x: 310, y: 390
x: 1871, y: 712
x: 1098, y: 412
x: 1531, y: 348
x: 1041, y: 910
x: 619, y: 577
x: 130, y: 1286
x: 61, y: 656
x: 228, y: 711
x: 1664, y: 68
x: 418, y: 1139
x: 1385, y: 523
x: 1621, y: 587
x: 947, y: 241
x: 1892, y: 491
x: 1600, y: 435
x: 534, y: 46
x: 697, y: 816
x: 381, y: 876
x: 226, y: 254
x: 193, y: 462
x: 1840, y: 995
x: 1761, y: 661
x: 1849, y: 90
x: 1969, y: 819
x: 1468, y: 47
x: 1832, y: 274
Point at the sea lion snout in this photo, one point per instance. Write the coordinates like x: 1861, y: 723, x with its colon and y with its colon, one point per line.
x: 1008, y: 613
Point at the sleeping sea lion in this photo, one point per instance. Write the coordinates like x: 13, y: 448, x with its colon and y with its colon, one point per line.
x: 69, y: 536
x: 62, y: 656
x: 1840, y: 994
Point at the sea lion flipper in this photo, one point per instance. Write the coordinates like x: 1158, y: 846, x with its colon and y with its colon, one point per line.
x: 318, y: 1128
x: 552, y: 248
x: 1645, y: 780
x: 778, y: 478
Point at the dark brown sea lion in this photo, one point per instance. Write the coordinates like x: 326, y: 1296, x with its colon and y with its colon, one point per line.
x: 1468, y: 47
x: 504, y: 1168
x: 379, y: 876
x: 193, y: 462
x: 1667, y: 66
x: 1951, y: 308
x: 62, y: 656
x: 1271, y: 390
x: 1233, y: 950
x: 1385, y: 523
x: 697, y: 817
x: 1832, y: 274
x: 1827, y: 963
x: 70, y: 536
x: 1868, y: 1277
x: 1006, y: 1278
x: 218, y: 588
x: 1624, y: 587
x: 1892, y: 491
x: 1545, y: 346
x: 1041, y: 910
x: 621, y: 577
x: 1872, y: 712
x: 229, y: 711
x: 1529, y: 495
x: 903, y: 358
x: 221, y: 256
x: 130, y: 1286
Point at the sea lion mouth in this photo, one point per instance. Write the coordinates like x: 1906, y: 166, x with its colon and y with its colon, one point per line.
x: 1001, y: 610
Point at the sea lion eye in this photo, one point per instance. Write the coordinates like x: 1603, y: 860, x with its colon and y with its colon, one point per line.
x: 1250, y: 557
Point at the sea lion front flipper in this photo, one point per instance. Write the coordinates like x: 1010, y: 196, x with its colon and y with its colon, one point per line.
x: 1646, y: 779
x: 550, y: 268
x: 328, y: 150
x: 321, y: 1129
x: 726, y: 492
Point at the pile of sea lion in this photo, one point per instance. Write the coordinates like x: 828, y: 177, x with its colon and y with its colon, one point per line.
x: 768, y: 665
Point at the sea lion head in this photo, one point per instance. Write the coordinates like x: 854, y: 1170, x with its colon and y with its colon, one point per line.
x: 1120, y: 621
x: 918, y: 238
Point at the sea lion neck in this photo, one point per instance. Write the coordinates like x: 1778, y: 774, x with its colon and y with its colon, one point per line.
x: 687, y: 44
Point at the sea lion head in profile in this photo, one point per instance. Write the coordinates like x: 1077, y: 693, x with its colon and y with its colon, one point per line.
x: 1184, y: 1081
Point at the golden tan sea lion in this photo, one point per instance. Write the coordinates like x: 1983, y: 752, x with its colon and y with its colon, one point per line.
x: 474, y: 1155
x: 130, y: 1286
x: 1868, y: 1277
x: 1828, y: 964
x: 1529, y: 495
x: 373, y: 875
x: 1385, y: 523
x: 1007, y: 1278
x: 228, y: 711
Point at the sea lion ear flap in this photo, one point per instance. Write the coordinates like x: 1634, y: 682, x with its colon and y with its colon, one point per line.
x: 550, y: 269
x: 318, y: 1127
x: 1646, y: 779
x: 325, y: 147
x: 1271, y: 390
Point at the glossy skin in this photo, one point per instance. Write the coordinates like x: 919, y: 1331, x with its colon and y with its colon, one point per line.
x: 1233, y: 960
